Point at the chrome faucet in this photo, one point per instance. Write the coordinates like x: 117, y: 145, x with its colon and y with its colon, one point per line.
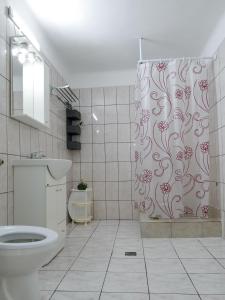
x: 37, y: 155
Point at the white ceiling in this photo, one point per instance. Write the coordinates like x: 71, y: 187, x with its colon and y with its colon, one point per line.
x: 101, y: 35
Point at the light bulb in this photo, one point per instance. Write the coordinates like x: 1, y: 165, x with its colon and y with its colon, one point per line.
x: 21, y: 57
x: 31, y: 57
x: 15, y: 51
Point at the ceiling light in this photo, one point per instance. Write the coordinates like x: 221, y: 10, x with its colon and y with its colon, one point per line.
x: 18, y: 21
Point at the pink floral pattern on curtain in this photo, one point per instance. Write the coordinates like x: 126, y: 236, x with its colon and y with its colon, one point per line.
x: 172, y: 138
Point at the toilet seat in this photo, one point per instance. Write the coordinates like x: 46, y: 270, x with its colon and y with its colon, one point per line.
x: 25, y: 237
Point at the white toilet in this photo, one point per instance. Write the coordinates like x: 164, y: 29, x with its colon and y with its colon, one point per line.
x: 23, y: 250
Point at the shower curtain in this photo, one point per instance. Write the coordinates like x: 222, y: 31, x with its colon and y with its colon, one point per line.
x: 172, y: 138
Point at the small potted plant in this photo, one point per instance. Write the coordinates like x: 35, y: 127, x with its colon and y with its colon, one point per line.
x: 82, y: 186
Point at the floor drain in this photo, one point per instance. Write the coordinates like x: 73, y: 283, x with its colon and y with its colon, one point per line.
x: 130, y: 253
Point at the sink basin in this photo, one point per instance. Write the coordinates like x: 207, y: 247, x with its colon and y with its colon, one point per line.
x: 57, y: 167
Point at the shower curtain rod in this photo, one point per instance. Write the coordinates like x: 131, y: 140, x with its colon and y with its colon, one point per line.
x: 141, y: 60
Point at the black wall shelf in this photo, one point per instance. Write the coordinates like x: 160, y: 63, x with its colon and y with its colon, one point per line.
x: 73, y: 120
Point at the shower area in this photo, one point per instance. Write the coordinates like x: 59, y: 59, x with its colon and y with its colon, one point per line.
x: 172, y: 159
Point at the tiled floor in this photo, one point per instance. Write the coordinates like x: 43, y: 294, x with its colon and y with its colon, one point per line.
x: 93, y: 266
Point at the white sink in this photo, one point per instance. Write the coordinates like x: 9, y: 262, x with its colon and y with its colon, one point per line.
x: 57, y: 167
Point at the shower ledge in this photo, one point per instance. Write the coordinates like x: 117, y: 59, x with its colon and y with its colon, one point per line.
x: 180, y: 228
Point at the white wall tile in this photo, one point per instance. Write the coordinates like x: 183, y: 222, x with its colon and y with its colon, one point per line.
x: 111, y: 171
x: 86, y: 134
x: 111, y: 114
x: 3, y: 209
x: 24, y: 140
x: 110, y: 95
x: 76, y: 156
x: 97, y: 96
x: 123, y: 113
x: 98, y: 133
x: 34, y: 140
x: 3, y: 93
x: 85, y: 97
x: 99, y: 191
x: 125, y: 190
x: 112, y: 191
x: 86, y: 171
x: 124, y: 171
x: 124, y: 133
x: 3, y: 58
x: 111, y: 152
x: 98, y: 114
x: 13, y: 136
x: 111, y: 133
x: 10, y: 209
x: 112, y: 208
x: 76, y: 171
x: 49, y: 145
x: 86, y: 153
x: 3, y: 134
x: 123, y: 95
x: 86, y: 115
x: 3, y: 174
x: 98, y: 152
x: 99, y: 210
x: 98, y: 171
x: 124, y: 151
x: 125, y: 210
x: 132, y: 93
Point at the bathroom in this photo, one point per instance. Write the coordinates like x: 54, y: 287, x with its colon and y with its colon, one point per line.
x: 112, y: 150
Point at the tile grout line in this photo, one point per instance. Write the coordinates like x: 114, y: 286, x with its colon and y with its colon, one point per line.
x: 146, y: 271
x: 185, y: 268
x: 109, y: 259
x: 77, y: 256
x: 217, y: 259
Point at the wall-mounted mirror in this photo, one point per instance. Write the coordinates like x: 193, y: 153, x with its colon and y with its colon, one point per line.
x: 29, y: 83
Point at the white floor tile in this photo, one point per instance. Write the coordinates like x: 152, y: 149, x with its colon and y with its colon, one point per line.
x: 173, y: 297
x: 156, y: 242
x: 82, y: 281
x: 217, y: 251
x: 76, y: 296
x: 127, y: 265
x: 91, y: 264
x: 160, y: 252
x: 91, y: 252
x: 49, y: 280
x: 209, y: 283
x: 170, y: 284
x: 202, y: 266
x: 124, y: 296
x: 212, y: 297
x: 70, y: 251
x: 163, y: 265
x: 59, y: 264
x: 126, y: 282
x: 192, y: 252
x: 45, y: 295
x: 122, y: 243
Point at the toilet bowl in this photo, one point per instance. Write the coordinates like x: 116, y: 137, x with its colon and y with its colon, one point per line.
x: 23, y: 250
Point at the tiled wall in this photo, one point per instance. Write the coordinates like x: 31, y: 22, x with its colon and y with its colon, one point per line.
x: 105, y: 160
x: 18, y: 140
x: 217, y: 132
